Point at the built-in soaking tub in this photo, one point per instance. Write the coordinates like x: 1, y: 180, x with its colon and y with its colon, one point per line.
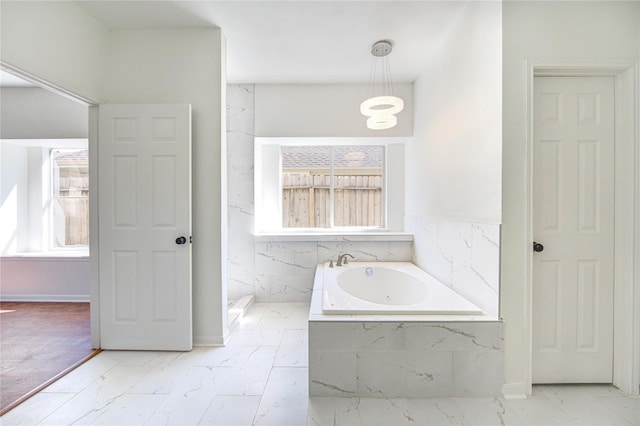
x: 394, y: 288
x: 388, y: 329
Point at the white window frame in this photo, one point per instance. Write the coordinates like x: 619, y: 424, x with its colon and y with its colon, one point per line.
x: 268, y: 184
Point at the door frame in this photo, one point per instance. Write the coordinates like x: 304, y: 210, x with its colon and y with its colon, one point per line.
x: 626, y: 311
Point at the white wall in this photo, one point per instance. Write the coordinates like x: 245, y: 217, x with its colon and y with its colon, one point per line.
x: 567, y: 32
x: 56, y: 42
x: 323, y: 110
x: 453, y: 164
x: 185, y: 66
x: 34, y: 113
x: 453, y: 178
x: 66, y: 279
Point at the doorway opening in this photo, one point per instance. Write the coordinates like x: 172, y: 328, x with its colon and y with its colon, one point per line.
x: 44, y: 242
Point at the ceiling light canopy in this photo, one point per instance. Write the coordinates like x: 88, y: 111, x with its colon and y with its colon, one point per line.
x: 381, y: 106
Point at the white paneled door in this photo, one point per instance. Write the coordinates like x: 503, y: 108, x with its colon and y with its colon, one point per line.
x: 144, y: 226
x: 573, y: 229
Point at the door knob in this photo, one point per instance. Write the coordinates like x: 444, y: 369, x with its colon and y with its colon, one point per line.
x: 537, y: 247
x: 181, y: 240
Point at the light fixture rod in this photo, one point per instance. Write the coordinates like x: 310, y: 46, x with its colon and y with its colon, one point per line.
x: 381, y: 105
x: 380, y: 82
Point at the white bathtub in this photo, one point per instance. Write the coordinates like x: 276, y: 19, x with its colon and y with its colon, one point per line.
x: 399, y: 288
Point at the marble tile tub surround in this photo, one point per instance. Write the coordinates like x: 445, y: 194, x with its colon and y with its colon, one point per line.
x: 271, y: 269
x: 402, y: 359
x: 463, y: 255
x: 413, y: 356
x: 285, y: 270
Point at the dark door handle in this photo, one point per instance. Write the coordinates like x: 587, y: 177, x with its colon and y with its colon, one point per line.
x: 181, y: 240
x: 537, y: 247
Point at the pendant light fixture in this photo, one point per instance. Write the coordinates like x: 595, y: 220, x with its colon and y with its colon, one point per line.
x: 381, y: 105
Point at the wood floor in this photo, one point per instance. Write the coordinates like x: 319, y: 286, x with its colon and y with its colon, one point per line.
x: 38, y: 341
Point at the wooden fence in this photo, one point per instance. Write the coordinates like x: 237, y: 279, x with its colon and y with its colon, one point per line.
x: 74, y: 210
x: 306, y: 200
x: 76, y: 214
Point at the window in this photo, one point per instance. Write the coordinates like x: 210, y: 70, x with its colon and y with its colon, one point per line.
x: 69, y: 208
x: 332, y: 186
x: 44, y: 208
x: 329, y: 184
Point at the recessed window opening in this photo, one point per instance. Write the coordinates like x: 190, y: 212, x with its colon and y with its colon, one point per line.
x: 329, y: 185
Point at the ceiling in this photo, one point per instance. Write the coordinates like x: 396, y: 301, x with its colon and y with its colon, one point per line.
x: 300, y: 41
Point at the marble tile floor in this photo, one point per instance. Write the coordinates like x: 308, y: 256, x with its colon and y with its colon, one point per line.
x: 260, y: 378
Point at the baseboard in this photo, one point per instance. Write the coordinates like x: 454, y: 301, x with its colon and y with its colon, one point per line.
x: 209, y: 341
x: 45, y: 298
x: 515, y: 391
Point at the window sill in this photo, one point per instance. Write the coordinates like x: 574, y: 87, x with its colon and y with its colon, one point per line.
x: 337, y: 236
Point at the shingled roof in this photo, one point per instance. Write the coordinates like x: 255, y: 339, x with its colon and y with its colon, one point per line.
x: 344, y: 156
x: 70, y: 155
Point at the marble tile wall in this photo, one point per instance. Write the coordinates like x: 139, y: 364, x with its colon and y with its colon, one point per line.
x: 402, y: 359
x: 463, y: 255
x: 285, y: 270
x: 241, y: 264
x: 274, y: 271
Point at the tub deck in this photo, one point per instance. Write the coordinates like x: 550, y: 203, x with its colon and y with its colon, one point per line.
x: 389, y: 356
x: 427, y: 295
x: 316, y: 311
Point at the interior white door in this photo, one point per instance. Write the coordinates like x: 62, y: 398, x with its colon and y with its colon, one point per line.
x: 573, y: 220
x: 144, y: 203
